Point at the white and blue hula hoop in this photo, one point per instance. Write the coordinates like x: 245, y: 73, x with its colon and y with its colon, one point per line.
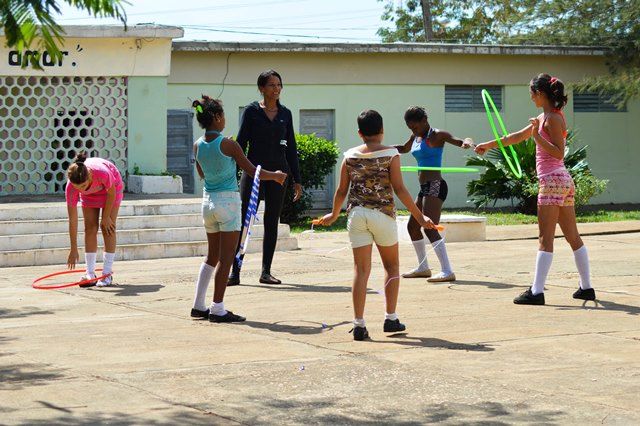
x: 250, y: 216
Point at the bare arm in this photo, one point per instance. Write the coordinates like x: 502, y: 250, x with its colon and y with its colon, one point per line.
x: 449, y: 138
x: 554, y: 127
x: 406, y: 147
x: 338, y: 199
x: 401, y: 191
x: 510, y: 139
x: 232, y: 149
x: 198, y: 168
x: 72, y: 211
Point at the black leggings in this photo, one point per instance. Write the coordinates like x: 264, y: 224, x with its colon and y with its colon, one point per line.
x: 273, y: 195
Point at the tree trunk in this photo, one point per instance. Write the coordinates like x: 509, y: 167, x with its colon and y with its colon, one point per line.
x: 427, y: 20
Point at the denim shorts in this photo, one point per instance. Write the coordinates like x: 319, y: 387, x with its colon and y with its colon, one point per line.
x: 221, y: 211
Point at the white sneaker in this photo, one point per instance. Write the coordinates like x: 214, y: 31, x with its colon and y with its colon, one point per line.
x: 107, y: 281
x: 417, y: 273
x: 86, y: 277
x: 441, y: 277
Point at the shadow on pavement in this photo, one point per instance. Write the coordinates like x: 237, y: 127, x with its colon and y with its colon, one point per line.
x: 602, y: 305
x: 432, y: 342
x: 297, y: 327
x: 129, y: 289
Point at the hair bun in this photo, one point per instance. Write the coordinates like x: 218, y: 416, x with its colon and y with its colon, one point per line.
x: 80, y: 158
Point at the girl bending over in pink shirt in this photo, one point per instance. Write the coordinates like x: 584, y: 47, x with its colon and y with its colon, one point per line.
x: 97, y: 184
x: 556, y: 189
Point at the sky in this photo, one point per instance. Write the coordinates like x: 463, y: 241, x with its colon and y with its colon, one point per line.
x: 310, y: 21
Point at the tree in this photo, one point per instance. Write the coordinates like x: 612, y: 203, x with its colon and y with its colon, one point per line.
x: 30, y: 25
x: 614, y: 24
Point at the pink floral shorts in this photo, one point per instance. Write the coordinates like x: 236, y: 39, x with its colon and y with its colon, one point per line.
x: 556, y: 189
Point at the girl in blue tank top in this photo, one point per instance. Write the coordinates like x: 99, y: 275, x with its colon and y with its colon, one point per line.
x: 216, y: 160
x: 426, y: 144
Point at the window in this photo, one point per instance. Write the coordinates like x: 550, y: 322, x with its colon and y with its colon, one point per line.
x: 469, y: 98
x: 594, y: 102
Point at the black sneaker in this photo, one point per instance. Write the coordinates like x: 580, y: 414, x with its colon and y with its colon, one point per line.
x: 196, y: 313
x: 589, y: 294
x: 528, y: 298
x: 359, y: 333
x: 393, y: 326
x: 233, y: 280
x: 267, y: 278
x: 228, y: 317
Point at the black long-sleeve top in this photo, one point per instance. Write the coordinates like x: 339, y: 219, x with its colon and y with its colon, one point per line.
x: 272, y: 144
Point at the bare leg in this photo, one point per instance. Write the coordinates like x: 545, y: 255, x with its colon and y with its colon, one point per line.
x: 567, y: 221
x: 91, y: 225
x: 415, y: 230
x: 547, y: 220
x: 225, y: 255
x: 110, y: 239
x: 362, y: 270
x: 391, y: 263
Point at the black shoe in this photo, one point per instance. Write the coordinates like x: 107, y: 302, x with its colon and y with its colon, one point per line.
x: 233, y: 280
x: 228, y: 317
x: 393, y: 326
x: 196, y: 313
x: 359, y: 333
x: 528, y: 298
x: 86, y: 285
x: 589, y: 294
x: 267, y: 278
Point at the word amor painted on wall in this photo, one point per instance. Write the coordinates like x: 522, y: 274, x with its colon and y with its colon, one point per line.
x: 16, y: 58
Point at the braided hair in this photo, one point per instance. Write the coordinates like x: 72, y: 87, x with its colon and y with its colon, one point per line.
x: 206, y: 110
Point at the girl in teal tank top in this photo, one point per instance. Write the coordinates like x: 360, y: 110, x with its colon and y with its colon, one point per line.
x: 216, y: 160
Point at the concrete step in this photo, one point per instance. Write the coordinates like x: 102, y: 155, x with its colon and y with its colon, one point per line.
x: 58, y: 256
x: 57, y: 210
x: 21, y: 227
x: 457, y: 228
x: 125, y: 236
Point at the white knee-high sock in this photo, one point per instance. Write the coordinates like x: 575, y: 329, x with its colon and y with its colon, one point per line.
x: 421, y: 253
x: 90, y: 260
x: 441, y: 252
x: 543, y: 264
x: 107, y: 267
x: 581, y: 257
x: 204, y: 277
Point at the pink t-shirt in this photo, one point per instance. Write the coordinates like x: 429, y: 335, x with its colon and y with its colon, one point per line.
x: 545, y: 162
x: 104, y: 176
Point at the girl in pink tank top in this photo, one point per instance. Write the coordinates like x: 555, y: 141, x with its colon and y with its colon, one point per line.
x: 97, y: 184
x: 556, y: 188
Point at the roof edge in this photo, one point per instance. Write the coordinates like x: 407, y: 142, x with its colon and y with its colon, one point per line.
x: 118, y: 31
x: 441, y: 48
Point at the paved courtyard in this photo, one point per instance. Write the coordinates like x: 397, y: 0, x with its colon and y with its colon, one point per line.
x: 130, y: 354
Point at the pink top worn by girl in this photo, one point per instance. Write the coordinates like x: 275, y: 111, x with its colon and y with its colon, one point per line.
x: 545, y: 162
x: 104, y: 175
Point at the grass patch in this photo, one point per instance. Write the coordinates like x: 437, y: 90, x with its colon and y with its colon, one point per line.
x: 493, y: 218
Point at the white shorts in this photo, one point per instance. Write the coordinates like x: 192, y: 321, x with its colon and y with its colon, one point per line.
x: 367, y: 226
x: 221, y: 211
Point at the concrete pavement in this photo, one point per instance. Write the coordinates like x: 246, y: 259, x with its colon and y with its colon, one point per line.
x: 131, y: 355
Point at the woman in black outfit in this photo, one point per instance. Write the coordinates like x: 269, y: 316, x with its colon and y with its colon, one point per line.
x: 267, y: 127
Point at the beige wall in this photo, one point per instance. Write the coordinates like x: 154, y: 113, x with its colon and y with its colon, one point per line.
x: 100, y: 56
x: 389, y: 83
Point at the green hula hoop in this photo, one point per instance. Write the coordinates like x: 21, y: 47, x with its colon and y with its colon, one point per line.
x: 442, y: 169
x: 486, y: 99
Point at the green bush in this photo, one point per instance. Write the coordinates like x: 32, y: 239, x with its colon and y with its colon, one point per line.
x: 499, y: 183
x: 317, y: 157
